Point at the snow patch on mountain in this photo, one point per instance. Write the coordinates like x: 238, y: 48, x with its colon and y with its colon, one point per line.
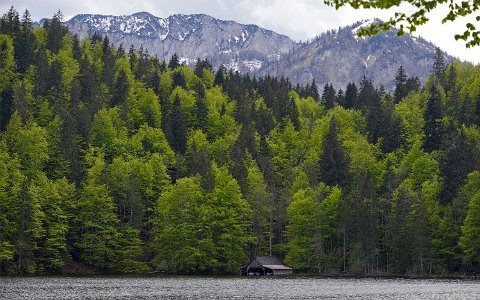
x: 334, y: 57
x: 363, y: 24
x: 274, y: 57
x: 187, y: 60
x: 253, y: 65
x: 233, y: 65
x: 137, y: 24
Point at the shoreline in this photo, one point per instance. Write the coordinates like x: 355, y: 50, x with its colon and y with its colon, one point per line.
x: 294, y: 276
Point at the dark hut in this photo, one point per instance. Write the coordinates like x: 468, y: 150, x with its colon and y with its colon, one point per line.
x: 266, y: 265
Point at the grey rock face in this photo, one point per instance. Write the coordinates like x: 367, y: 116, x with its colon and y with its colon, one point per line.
x: 244, y: 48
x: 336, y: 57
x: 341, y: 56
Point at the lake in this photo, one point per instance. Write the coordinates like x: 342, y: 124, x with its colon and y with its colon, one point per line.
x: 233, y: 288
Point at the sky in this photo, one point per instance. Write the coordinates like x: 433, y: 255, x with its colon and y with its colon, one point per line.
x: 298, y: 19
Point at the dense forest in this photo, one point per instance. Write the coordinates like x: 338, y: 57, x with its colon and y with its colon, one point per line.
x: 114, y: 161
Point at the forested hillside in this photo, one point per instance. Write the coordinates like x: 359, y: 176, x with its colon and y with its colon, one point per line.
x: 113, y: 161
x: 334, y: 57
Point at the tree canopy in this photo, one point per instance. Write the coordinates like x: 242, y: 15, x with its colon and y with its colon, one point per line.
x: 115, y: 162
x: 410, y: 21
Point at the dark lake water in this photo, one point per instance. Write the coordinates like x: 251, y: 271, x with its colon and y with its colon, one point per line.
x: 233, y: 288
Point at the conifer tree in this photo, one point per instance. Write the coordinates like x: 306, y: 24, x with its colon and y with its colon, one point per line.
x: 451, y: 80
x: 7, y: 75
x: 200, y: 164
x: 120, y: 90
x: 142, y: 70
x: 202, y: 65
x: 174, y: 62
x: 369, y: 100
x: 10, y: 23
x: 292, y: 112
x: 24, y: 45
x: 351, y: 94
x: 400, y: 84
x: 55, y: 32
x: 334, y: 160
x: 200, y: 109
x: 76, y: 51
x: 220, y: 76
x: 391, y: 129
x: 178, y: 127
x: 467, y: 110
x: 132, y: 57
x: 314, y: 91
x: 433, y: 120
x: 328, y: 96
x: 458, y: 160
x: 179, y: 79
x: 41, y: 78
x: 413, y: 84
x: 340, y: 98
x: 438, y: 69
x: 108, y: 63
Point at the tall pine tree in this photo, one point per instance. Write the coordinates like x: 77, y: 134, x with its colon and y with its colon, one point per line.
x: 334, y: 159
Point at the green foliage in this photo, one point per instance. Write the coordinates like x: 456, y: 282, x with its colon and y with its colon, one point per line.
x: 411, y: 114
x: 260, y: 200
x: 28, y: 143
x: 416, y: 17
x: 302, y: 230
x: 108, y: 132
x: 469, y: 241
x: 313, y: 227
x: 144, y: 107
x: 97, y: 221
x: 7, y: 61
x: 114, y: 162
x: 148, y: 141
x: 55, y: 199
x: 334, y: 160
x: 200, y: 232
x: 130, y: 251
x: 182, y: 235
x: 434, y: 128
x: 230, y: 220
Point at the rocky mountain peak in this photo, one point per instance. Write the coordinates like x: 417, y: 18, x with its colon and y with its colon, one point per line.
x: 340, y: 56
x: 244, y: 48
x: 337, y: 56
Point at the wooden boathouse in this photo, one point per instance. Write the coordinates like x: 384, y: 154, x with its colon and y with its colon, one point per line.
x: 266, y: 265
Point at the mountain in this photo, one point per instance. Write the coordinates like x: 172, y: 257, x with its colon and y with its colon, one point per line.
x: 240, y: 47
x: 335, y: 57
x: 341, y: 56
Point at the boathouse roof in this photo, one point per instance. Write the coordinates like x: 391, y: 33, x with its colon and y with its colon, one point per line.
x: 266, y: 265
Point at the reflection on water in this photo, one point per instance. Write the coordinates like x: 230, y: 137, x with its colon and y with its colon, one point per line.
x: 234, y: 287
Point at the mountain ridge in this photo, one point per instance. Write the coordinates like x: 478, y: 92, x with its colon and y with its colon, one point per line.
x: 241, y: 47
x: 339, y: 56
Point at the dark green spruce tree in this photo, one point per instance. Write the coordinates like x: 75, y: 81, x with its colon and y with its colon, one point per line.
x: 328, y: 96
x: 351, y: 94
x: 334, y: 159
x: 434, y: 128
x: 400, y: 84
x: 178, y: 127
